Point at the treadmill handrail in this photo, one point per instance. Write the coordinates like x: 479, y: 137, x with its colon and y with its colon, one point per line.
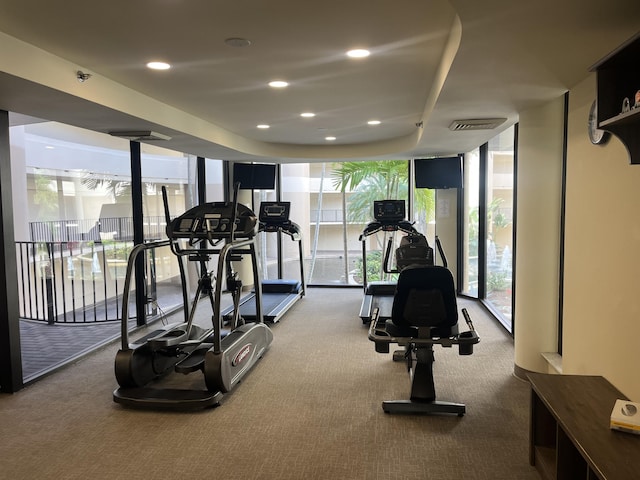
x: 290, y: 229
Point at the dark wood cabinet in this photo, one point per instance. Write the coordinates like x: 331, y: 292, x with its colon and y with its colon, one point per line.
x: 570, y: 438
x: 618, y: 78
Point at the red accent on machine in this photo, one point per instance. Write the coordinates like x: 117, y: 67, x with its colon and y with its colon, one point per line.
x: 242, y: 354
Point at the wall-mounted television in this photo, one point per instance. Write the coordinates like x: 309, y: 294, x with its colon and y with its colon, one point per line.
x: 440, y: 172
x: 255, y: 176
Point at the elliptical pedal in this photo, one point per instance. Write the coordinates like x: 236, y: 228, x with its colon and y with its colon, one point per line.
x: 195, y: 360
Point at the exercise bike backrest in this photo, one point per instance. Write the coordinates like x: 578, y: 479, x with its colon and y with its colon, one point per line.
x: 414, y: 250
x: 426, y: 297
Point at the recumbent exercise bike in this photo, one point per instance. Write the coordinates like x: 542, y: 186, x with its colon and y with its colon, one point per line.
x: 424, y: 313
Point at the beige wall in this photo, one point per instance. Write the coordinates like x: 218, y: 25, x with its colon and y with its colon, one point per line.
x: 539, y: 198
x: 601, y: 303
x: 602, y: 262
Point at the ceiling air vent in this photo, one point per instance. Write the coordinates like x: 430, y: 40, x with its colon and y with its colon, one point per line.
x: 476, y: 124
x: 140, y: 135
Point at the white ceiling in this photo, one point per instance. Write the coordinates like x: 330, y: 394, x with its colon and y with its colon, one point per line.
x: 432, y: 62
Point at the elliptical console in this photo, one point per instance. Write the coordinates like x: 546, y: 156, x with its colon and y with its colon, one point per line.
x: 212, y: 222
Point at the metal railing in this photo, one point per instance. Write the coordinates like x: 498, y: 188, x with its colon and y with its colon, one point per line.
x: 328, y: 215
x: 82, y: 282
x: 84, y: 230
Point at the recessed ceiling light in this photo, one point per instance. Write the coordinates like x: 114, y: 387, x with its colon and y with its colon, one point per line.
x: 358, y: 53
x: 278, y: 84
x: 329, y: 139
x: 158, y: 65
x: 262, y: 126
x: 308, y: 114
x: 373, y: 122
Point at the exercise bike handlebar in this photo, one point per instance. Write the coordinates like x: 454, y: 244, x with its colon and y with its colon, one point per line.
x: 465, y: 340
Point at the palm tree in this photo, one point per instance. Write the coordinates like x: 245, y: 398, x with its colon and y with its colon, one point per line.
x: 370, y: 181
x: 111, y: 187
x: 378, y: 180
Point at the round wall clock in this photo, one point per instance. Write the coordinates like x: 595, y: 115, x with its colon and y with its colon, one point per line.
x: 596, y: 135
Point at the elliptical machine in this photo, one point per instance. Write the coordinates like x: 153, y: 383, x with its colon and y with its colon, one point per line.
x: 224, y: 357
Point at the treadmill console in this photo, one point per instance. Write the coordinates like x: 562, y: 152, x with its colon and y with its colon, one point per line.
x: 212, y: 221
x: 389, y: 212
x: 274, y: 213
x: 389, y: 217
x: 274, y: 217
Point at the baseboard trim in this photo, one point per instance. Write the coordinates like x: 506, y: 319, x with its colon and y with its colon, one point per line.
x: 521, y: 373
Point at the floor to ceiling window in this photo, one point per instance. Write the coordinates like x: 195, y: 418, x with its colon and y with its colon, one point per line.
x: 175, y: 172
x: 332, y: 203
x: 295, y: 187
x: 487, y: 240
x: 74, y: 232
x: 499, y: 224
x: 469, y: 238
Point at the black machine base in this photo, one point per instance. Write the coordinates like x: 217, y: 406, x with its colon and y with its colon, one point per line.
x: 430, y: 408
x: 166, y: 399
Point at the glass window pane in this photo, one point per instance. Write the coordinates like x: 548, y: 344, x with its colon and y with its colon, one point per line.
x: 321, y: 193
x: 499, y: 223
x: 424, y: 214
x: 266, y: 242
x: 470, y: 233
x: 71, y: 254
x: 295, y: 186
x: 176, y: 172
x: 214, y: 180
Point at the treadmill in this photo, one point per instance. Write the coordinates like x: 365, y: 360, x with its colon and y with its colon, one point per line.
x: 278, y: 295
x: 389, y: 217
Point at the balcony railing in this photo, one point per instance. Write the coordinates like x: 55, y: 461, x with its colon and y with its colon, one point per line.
x: 327, y: 215
x: 82, y: 282
x: 84, y: 230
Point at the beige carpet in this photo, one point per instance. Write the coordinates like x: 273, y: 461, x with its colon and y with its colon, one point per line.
x: 311, y: 409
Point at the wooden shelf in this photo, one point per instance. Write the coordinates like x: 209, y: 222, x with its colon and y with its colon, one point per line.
x: 618, y: 77
x: 631, y: 116
x: 570, y: 436
x: 546, y: 462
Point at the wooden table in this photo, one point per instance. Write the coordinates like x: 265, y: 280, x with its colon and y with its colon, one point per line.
x: 570, y: 436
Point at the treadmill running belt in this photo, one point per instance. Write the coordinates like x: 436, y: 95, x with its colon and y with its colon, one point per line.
x: 272, y: 305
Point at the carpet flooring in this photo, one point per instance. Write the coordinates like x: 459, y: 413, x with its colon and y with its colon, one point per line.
x: 310, y: 409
